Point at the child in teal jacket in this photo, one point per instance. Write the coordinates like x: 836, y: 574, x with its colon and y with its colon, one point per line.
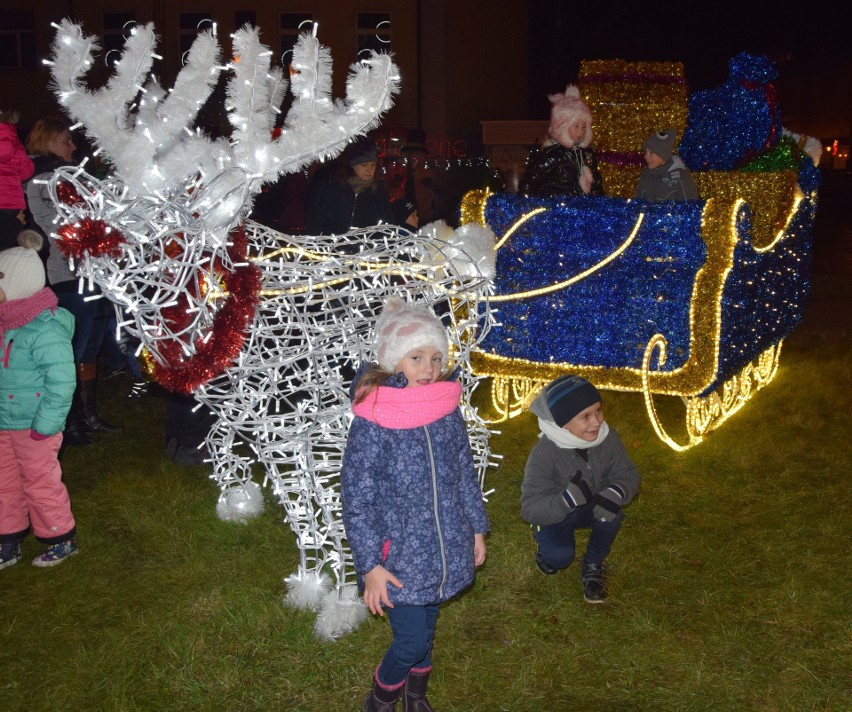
x: 37, y: 381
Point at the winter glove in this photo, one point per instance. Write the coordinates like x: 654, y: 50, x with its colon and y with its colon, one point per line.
x: 577, y: 493
x: 608, y: 503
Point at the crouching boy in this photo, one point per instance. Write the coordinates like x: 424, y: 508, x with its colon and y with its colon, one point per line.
x: 578, y: 476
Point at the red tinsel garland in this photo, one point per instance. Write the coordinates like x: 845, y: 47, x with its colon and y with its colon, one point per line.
x: 92, y: 237
x: 96, y: 238
x: 87, y: 236
x: 184, y: 375
x: 67, y: 193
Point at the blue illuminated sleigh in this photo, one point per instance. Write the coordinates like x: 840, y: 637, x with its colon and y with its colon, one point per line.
x: 691, y: 299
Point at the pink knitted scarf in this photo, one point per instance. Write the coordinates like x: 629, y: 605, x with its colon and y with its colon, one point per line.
x: 16, y: 313
x: 402, y: 408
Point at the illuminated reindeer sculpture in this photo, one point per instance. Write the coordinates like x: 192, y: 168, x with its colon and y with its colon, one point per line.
x: 260, y: 326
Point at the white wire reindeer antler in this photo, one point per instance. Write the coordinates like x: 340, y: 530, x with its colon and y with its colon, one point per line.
x: 147, y: 155
x: 156, y: 150
x: 254, y: 95
x: 315, y: 127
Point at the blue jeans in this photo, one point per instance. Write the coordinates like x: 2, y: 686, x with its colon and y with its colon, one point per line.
x: 91, y: 319
x: 413, y: 632
x: 556, y: 541
x: 120, y: 353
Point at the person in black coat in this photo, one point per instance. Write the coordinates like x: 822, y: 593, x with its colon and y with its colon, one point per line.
x: 355, y: 200
x: 566, y: 163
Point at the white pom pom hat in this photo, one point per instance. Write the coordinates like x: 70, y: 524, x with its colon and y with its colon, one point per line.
x: 403, y: 327
x: 21, y: 271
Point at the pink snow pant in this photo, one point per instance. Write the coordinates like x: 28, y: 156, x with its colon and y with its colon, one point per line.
x: 31, y: 489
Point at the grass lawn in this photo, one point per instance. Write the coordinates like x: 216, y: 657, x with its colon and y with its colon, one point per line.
x: 730, y: 580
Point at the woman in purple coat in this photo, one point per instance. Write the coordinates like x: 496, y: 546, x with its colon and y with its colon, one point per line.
x: 412, y: 504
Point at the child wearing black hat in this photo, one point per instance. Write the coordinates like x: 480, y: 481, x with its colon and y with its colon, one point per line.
x: 405, y: 212
x: 578, y: 476
x: 666, y: 177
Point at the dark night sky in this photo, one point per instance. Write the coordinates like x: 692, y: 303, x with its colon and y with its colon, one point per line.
x: 814, y: 37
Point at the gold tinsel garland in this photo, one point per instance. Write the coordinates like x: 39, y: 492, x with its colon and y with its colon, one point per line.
x: 630, y: 100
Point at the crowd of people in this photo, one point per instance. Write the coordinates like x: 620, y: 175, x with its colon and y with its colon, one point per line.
x: 365, y: 186
x: 412, y: 506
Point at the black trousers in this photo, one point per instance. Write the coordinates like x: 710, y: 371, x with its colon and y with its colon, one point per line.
x: 188, y: 427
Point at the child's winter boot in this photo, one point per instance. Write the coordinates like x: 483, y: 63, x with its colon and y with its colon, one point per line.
x: 382, y: 699
x: 414, y: 695
x: 594, y: 582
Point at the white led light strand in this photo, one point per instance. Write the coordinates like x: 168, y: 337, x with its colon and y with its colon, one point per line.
x: 165, y: 237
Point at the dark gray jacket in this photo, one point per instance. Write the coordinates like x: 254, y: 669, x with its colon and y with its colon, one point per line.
x: 670, y: 181
x: 550, y: 468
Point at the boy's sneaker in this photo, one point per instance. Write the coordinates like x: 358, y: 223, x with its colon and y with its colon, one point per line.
x: 594, y: 582
x: 10, y: 554
x: 543, y: 566
x: 57, y: 553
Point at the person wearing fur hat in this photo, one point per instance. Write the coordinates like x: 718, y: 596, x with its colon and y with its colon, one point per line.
x: 357, y: 199
x: 566, y: 163
x: 36, y: 385
x: 666, y: 177
x: 578, y: 476
x: 412, y: 504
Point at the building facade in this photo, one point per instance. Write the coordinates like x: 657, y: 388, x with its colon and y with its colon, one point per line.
x: 464, y: 65
x: 454, y: 71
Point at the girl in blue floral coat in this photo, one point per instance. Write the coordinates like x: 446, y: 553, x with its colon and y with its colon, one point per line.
x: 412, y: 504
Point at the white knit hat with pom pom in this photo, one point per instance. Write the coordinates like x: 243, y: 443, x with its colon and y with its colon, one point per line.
x: 403, y: 327
x: 21, y: 269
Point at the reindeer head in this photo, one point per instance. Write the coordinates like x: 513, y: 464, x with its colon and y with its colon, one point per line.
x: 161, y: 235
